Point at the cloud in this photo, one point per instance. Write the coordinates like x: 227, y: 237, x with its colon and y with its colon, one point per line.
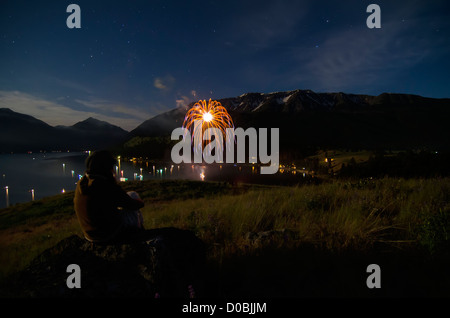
x: 358, y: 58
x: 164, y: 83
x: 349, y: 57
x: 159, y: 84
x: 51, y: 112
x: 69, y: 84
x: 115, y: 108
x: 183, y: 102
x: 55, y: 113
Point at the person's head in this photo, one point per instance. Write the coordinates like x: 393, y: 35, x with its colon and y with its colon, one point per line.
x: 100, y: 163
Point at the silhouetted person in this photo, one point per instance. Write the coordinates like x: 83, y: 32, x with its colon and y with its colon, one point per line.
x: 109, y: 215
x: 106, y: 212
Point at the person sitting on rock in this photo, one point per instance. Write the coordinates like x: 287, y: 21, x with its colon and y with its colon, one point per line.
x: 106, y: 212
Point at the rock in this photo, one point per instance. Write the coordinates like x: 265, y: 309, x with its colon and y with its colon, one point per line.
x: 268, y: 238
x: 168, y: 262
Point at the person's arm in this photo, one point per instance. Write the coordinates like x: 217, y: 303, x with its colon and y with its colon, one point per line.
x: 122, y: 199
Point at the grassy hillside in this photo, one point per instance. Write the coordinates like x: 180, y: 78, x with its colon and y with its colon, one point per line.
x: 242, y: 223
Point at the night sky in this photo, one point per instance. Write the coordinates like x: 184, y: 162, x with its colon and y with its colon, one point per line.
x: 132, y: 60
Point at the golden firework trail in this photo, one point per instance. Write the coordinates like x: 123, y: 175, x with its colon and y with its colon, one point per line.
x: 204, y: 115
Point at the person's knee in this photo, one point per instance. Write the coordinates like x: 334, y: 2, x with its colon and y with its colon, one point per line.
x: 133, y: 195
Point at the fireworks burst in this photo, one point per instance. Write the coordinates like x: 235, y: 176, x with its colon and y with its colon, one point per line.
x: 204, y: 115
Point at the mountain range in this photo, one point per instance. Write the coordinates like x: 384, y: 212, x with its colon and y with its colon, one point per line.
x: 306, y: 120
x: 20, y: 132
x: 309, y: 120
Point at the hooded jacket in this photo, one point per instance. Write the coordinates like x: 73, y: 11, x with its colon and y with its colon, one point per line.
x: 98, y: 203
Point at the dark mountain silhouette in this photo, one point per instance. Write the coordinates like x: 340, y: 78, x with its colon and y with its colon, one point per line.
x: 93, y: 134
x: 160, y: 125
x: 20, y: 132
x: 93, y: 125
x: 309, y: 120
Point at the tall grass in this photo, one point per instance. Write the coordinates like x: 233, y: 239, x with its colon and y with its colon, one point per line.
x: 338, y: 215
x: 334, y: 215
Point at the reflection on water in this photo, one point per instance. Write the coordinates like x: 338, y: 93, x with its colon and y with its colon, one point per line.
x: 33, y: 176
x: 27, y: 177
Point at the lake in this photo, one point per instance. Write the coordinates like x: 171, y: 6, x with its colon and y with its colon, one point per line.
x: 24, y: 177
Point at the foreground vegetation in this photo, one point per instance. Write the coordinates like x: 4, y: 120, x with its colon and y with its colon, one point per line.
x: 240, y: 222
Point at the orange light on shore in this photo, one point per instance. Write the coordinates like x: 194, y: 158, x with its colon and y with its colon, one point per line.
x: 7, y: 196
